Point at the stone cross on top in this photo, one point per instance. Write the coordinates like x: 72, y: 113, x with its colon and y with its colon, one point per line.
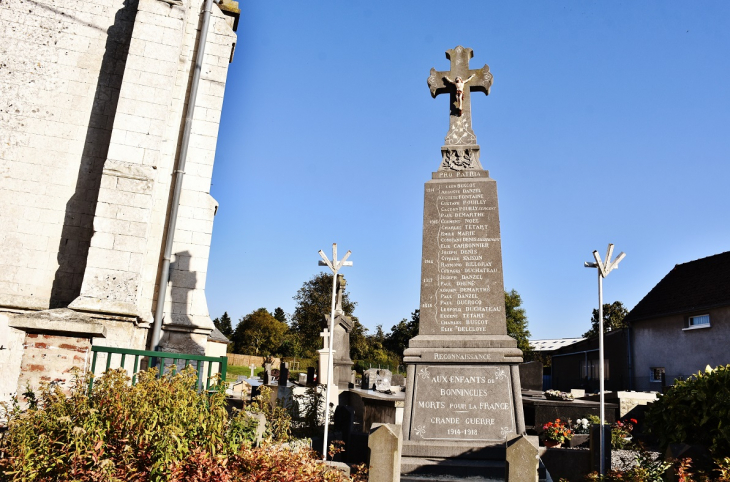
x: 458, y: 83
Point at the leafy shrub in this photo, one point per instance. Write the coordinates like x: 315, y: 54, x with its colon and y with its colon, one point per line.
x: 621, y: 433
x: 695, y: 411
x: 279, y: 463
x: 687, y: 470
x: 278, y: 419
x: 309, y: 408
x: 121, y: 432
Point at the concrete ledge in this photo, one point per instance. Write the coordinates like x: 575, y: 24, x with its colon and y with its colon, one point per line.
x: 61, y: 321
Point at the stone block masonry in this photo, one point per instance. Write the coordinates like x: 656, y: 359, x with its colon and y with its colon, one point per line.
x: 92, y: 100
x: 60, y: 78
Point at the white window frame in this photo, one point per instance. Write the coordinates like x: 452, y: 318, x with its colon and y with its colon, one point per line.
x: 691, y: 326
x: 652, y: 374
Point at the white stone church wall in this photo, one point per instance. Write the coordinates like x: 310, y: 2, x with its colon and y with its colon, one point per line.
x: 88, y: 142
x: 61, y: 68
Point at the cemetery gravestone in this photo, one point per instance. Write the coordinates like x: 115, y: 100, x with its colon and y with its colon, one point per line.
x: 376, y: 379
x: 284, y: 375
x: 463, y: 396
x: 341, y: 344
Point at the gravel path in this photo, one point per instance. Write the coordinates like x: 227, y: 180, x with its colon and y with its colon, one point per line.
x: 625, y: 459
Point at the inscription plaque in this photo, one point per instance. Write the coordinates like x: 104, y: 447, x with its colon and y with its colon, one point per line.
x: 462, y: 290
x: 465, y: 403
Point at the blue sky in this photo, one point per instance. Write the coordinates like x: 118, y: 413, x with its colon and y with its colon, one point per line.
x: 607, y: 122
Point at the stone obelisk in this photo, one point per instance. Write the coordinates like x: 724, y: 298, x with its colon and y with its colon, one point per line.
x: 463, y: 401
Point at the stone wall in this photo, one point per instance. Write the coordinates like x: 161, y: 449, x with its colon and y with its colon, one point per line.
x: 248, y: 360
x: 92, y: 104
x: 62, y: 66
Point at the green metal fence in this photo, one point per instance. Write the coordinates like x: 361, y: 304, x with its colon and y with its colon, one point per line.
x: 158, y: 358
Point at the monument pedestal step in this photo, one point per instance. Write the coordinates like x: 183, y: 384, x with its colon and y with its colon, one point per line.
x: 437, y: 466
x: 446, y: 478
x: 453, y: 450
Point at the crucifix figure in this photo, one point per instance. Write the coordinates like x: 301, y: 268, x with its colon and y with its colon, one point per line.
x: 479, y: 80
x: 341, y: 282
x: 459, y: 84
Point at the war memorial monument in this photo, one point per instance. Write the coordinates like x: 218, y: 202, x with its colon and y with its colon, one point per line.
x: 463, y: 399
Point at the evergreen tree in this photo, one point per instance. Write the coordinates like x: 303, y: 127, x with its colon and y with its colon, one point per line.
x: 224, y: 325
x: 280, y: 315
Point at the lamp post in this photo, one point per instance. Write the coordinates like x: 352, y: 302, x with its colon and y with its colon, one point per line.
x: 604, y: 267
x: 335, y: 266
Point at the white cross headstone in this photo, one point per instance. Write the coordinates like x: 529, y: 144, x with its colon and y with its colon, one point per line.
x: 252, y: 367
x: 326, y: 335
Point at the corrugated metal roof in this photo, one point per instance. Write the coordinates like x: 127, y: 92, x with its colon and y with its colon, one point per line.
x: 553, y: 343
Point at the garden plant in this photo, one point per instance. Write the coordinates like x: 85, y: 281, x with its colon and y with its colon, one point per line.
x: 161, y: 429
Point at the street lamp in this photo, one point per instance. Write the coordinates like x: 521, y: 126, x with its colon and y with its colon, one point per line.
x: 335, y: 266
x: 604, y: 267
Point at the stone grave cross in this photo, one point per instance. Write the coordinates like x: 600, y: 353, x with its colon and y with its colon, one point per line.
x: 480, y: 80
x: 326, y: 336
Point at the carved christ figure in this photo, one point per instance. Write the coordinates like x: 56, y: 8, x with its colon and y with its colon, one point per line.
x: 459, y: 90
x: 341, y: 282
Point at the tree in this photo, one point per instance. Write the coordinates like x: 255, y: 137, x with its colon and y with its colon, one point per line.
x: 224, y: 325
x: 259, y: 333
x: 516, y: 320
x: 279, y: 314
x: 613, y: 318
x: 359, y: 344
x: 399, y: 336
x: 313, y: 303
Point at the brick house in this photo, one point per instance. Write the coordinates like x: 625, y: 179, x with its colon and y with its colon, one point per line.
x: 682, y: 324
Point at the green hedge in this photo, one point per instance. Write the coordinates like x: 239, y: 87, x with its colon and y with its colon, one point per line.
x: 695, y: 411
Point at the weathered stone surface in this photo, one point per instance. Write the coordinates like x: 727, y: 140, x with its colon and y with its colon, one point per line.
x: 93, y: 97
x: 385, y: 444
x: 531, y: 375
x: 522, y: 461
x: 61, y: 321
x: 376, y: 379
x: 462, y: 402
x: 462, y: 291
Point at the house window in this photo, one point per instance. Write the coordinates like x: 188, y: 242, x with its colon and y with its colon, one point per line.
x: 697, y: 321
x: 655, y: 374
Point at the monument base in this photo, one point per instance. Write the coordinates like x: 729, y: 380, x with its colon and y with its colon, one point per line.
x: 463, y: 404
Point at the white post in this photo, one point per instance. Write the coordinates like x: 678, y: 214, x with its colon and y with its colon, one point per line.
x: 334, y: 266
x: 330, y: 364
x: 602, y: 465
x: 604, y: 267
